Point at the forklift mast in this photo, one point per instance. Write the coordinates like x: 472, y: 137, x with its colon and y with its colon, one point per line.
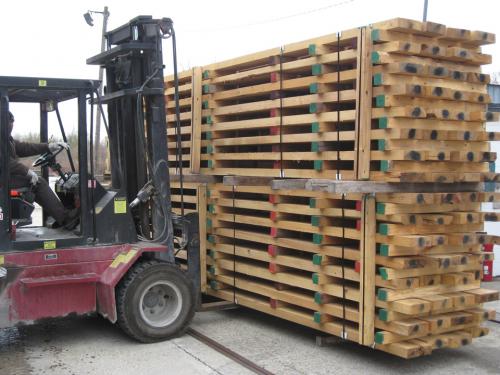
x: 134, y: 94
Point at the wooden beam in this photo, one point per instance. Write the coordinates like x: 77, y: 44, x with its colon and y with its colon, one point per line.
x: 364, y: 105
x: 196, y: 120
x: 367, y: 279
x: 345, y: 187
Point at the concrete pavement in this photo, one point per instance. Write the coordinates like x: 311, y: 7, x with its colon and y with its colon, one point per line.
x: 93, y: 346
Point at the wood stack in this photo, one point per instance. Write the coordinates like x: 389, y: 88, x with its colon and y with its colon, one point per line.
x: 400, y: 103
x: 286, y: 112
x: 430, y: 255
x: 294, y: 254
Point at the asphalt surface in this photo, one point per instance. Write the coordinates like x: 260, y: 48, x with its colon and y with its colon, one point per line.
x: 91, y: 345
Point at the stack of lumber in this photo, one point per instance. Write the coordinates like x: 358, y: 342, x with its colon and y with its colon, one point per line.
x: 430, y: 255
x: 430, y: 104
x: 309, y: 257
x: 398, y: 107
x: 292, y: 254
x: 285, y: 112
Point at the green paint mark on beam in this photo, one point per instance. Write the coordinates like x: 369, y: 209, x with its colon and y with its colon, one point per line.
x: 210, y: 163
x: 315, y: 278
x: 318, y: 165
x: 383, y: 273
x: 209, y: 223
x: 376, y: 35
x: 383, y: 122
x: 384, y: 250
x: 313, y: 108
x: 206, y: 89
x: 205, y: 104
x: 381, y: 208
x: 317, y: 69
x: 383, y: 315
x: 317, y: 317
x: 312, y: 202
x: 314, y: 146
x: 208, y: 135
x: 382, y: 294
x: 315, y: 127
x: 384, y: 165
x: 209, y: 120
x: 317, y: 238
x: 318, y: 298
x: 375, y: 58
x: 379, y: 338
x: 211, y: 238
x: 206, y: 74
x: 211, y: 207
x: 492, y: 167
x: 214, y: 285
x: 211, y: 270
x: 311, y: 49
x: 317, y: 259
x: 380, y: 101
x: 377, y: 79
x: 381, y: 144
x: 315, y: 221
x: 210, y: 149
x: 313, y: 88
x: 383, y: 228
x: 211, y: 253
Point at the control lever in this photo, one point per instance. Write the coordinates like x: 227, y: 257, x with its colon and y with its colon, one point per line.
x: 143, y: 195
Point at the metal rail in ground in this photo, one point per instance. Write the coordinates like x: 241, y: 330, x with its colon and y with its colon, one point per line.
x: 255, y: 368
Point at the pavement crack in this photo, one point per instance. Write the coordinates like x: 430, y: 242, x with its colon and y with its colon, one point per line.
x: 197, y: 358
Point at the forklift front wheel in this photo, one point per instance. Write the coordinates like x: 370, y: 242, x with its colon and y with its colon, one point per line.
x: 154, y: 301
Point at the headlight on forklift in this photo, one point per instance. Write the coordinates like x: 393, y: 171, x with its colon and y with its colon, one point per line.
x: 3, y: 273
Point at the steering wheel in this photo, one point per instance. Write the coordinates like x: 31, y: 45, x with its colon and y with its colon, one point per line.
x: 47, y: 159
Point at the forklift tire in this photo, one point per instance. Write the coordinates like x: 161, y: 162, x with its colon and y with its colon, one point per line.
x: 154, y: 301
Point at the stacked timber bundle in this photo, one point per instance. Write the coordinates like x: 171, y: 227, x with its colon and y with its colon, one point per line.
x: 293, y: 254
x: 394, y: 261
x: 430, y: 255
x: 430, y: 104
x: 286, y: 112
x: 309, y: 257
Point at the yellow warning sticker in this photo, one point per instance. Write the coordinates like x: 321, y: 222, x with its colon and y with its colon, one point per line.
x: 123, y: 258
x: 49, y: 245
x: 120, y: 205
x: 2, y: 260
x: 42, y: 83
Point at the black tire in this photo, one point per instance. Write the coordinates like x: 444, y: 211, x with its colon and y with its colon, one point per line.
x: 146, y: 281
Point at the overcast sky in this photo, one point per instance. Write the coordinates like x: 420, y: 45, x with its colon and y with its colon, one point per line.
x: 51, y: 39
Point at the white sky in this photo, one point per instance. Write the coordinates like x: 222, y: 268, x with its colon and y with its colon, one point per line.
x: 51, y: 39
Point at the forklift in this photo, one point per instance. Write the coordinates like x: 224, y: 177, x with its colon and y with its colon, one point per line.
x: 119, y: 261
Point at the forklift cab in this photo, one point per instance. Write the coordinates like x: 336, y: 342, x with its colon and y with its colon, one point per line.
x: 101, y: 209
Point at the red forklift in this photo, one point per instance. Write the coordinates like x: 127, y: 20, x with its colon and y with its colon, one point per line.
x: 119, y: 261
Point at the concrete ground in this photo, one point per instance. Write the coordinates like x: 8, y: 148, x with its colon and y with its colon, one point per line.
x: 93, y: 346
